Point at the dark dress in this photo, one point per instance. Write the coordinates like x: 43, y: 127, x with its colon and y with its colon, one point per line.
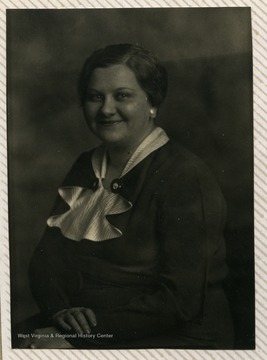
x: 159, y: 284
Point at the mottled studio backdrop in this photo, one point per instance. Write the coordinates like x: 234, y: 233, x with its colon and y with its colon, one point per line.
x: 209, y: 109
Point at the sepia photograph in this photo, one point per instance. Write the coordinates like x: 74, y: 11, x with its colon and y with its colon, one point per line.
x: 130, y: 178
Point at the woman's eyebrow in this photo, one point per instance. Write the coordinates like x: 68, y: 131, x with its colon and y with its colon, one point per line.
x: 122, y: 88
x: 125, y: 88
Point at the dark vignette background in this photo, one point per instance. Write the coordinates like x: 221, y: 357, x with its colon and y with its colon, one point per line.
x: 209, y: 109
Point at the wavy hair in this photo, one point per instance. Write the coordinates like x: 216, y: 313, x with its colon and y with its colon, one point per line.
x: 149, y: 72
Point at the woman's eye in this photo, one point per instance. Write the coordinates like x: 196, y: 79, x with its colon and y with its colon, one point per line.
x: 122, y: 96
x: 95, y: 97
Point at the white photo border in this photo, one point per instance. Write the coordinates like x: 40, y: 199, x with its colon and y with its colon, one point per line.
x: 259, y: 35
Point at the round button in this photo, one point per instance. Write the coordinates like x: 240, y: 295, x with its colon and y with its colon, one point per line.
x: 116, y: 185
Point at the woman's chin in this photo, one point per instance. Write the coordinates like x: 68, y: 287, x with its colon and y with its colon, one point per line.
x: 112, y: 139
x: 110, y: 135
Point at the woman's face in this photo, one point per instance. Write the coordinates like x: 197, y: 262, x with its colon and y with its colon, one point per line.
x: 116, y: 108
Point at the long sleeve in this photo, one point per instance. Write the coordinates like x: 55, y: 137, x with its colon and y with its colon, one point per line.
x: 51, y: 274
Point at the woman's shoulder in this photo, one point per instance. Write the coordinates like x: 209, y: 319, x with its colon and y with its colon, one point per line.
x: 177, y: 159
x: 81, y: 172
x: 182, y: 170
x: 85, y: 158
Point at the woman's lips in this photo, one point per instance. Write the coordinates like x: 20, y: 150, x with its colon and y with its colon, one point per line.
x: 109, y: 122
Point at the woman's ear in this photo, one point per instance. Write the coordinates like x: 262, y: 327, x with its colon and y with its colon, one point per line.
x: 153, y: 112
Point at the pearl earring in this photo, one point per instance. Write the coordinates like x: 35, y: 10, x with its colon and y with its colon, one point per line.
x: 152, y: 112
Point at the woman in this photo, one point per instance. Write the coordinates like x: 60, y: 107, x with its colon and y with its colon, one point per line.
x: 134, y: 251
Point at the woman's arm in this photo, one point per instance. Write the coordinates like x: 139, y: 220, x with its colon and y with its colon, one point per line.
x: 51, y: 272
x: 48, y: 272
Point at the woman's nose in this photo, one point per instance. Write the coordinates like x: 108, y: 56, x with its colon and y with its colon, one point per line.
x: 108, y: 106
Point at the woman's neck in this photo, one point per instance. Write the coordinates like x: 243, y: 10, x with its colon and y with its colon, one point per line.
x: 116, y: 162
x: 119, y: 154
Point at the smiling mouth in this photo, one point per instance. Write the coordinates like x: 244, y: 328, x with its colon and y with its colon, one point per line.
x: 109, y: 122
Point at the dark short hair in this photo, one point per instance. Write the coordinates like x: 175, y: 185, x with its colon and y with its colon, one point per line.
x: 150, y: 74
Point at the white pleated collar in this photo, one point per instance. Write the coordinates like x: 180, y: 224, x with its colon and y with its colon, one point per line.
x: 152, y: 142
x: 86, y: 218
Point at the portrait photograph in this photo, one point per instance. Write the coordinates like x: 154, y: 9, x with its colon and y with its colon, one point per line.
x: 130, y: 178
